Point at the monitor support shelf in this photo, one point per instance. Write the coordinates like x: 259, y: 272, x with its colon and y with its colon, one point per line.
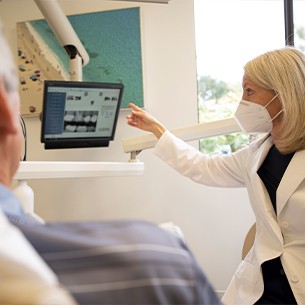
x: 29, y: 170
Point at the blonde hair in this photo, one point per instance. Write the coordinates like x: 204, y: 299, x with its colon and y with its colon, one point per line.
x: 283, y: 71
x: 8, y: 72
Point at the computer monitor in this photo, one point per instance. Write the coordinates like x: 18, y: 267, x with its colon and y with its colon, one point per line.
x: 79, y: 114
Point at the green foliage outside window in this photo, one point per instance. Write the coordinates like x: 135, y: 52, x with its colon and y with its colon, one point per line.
x: 218, y: 100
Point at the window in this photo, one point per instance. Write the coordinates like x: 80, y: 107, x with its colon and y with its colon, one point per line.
x: 228, y: 34
x: 299, y: 24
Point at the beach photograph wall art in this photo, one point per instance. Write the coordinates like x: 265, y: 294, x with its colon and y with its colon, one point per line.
x: 112, y: 40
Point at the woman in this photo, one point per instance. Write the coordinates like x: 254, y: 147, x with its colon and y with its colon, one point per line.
x: 272, y: 169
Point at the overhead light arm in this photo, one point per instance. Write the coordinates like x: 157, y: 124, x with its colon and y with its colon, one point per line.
x: 64, y: 32
x: 148, y: 1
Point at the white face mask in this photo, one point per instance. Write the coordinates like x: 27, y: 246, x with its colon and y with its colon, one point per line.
x: 253, y: 118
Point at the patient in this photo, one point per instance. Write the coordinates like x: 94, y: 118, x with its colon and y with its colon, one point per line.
x: 25, y: 277
x: 118, y: 262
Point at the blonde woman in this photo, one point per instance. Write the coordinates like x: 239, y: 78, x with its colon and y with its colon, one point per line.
x: 271, y: 168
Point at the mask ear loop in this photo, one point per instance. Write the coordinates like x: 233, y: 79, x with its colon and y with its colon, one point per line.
x: 278, y: 112
x: 271, y: 100
x: 276, y: 115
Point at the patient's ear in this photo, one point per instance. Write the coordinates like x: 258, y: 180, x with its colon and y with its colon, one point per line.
x: 7, y: 116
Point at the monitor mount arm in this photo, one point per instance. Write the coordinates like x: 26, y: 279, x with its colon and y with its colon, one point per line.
x: 136, y: 144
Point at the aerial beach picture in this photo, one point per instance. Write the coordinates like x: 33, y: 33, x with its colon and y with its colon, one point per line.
x: 112, y: 40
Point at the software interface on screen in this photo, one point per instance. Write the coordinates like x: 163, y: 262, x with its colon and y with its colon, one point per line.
x: 80, y: 111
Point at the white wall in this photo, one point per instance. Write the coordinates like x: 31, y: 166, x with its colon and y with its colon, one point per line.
x: 214, y: 221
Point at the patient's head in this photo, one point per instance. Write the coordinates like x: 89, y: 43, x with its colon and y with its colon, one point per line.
x: 10, y: 129
x: 7, y: 67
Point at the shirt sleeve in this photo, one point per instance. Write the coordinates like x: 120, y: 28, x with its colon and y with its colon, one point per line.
x: 216, y: 170
x: 121, y: 262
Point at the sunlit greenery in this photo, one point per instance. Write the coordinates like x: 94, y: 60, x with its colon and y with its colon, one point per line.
x: 300, y: 38
x: 218, y: 100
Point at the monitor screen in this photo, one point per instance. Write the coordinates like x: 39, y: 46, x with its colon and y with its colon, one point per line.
x: 79, y: 114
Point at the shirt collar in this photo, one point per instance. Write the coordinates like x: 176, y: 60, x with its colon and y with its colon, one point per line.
x: 9, y: 203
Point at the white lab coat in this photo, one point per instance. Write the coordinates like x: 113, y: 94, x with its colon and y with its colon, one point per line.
x: 276, y: 235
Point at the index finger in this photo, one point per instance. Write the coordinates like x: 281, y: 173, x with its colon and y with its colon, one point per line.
x: 134, y: 107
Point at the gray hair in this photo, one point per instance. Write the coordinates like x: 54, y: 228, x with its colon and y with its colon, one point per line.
x: 8, y: 71
x: 283, y: 71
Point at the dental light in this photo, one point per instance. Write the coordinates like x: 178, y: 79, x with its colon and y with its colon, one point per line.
x: 66, y: 35
x: 148, y: 1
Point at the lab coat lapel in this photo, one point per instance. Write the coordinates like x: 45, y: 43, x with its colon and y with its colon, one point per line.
x: 261, y: 192
x: 263, y: 147
x: 294, y: 175
x: 264, y: 210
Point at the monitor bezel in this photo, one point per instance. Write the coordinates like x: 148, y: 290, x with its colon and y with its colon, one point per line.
x: 81, y: 142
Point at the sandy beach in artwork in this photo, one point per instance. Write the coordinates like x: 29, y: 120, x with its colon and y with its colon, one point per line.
x: 36, y: 63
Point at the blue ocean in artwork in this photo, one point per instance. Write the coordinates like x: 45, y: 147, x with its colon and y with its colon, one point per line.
x: 113, y: 42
